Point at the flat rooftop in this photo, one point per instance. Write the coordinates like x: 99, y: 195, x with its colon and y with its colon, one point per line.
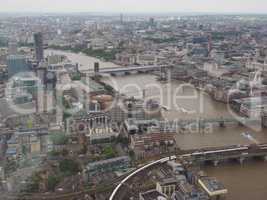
x: 152, y: 195
x: 212, y: 186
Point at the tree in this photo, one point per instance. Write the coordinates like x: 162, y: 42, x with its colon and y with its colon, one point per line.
x: 59, y: 139
x: 132, y: 154
x: 34, y: 183
x: 52, y: 182
x: 109, y: 152
x: 69, y: 167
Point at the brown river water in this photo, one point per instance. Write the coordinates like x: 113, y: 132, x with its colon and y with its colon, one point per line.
x: 246, y: 182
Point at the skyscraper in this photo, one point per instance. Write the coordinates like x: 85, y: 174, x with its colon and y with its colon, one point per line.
x: 12, y: 47
x: 121, y: 18
x: 39, y: 49
x: 16, y: 64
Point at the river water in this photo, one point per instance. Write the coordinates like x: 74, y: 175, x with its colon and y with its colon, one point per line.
x: 245, y: 182
x: 85, y: 62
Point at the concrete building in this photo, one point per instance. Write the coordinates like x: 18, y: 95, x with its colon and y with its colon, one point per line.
x: 253, y: 106
x: 55, y: 59
x: 12, y: 47
x: 26, y: 142
x: 25, y: 87
x: 141, y: 144
x: 135, y: 109
x: 117, y: 114
x: 96, y: 126
x: 212, y: 187
x: 146, y: 59
x: 12, y: 147
x: 38, y: 45
x: 167, y: 186
x: 84, y: 122
x: 17, y: 64
x: 125, y: 59
x: 177, y: 168
x: 109, y: 165
x: 186, y: 191
x: 254, y: 65
x: 101, y: 135
x: 152, y: 195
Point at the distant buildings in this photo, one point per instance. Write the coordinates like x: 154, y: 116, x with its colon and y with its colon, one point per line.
x: 125, y: 59
x: 146, y: 59
x: 38, y: 45
x: 12, y: 47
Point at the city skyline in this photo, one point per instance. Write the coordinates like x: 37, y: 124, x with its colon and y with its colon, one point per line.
x: 130, y: 99
x: 136, y: 6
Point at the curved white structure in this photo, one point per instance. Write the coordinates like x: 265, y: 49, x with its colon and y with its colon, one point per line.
x: 198, y: 153
x: 163, y: 160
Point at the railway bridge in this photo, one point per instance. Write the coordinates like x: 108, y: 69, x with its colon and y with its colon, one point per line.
x: 214, y: 155
x: 202, y: 122
x: 126, y: 70
x: 239, y: 153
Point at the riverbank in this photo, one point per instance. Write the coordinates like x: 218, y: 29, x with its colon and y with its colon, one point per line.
x: 85, y: 62
x: 103, y: 54
x: 245, y: 181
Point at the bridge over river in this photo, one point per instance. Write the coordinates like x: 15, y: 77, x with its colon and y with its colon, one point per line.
x: 202, y: 122
x: 196, y: 156
x: 126, y: 70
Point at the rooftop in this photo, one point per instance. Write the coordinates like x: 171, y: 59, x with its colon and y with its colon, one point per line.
x: 153, y: 195
x: 212, y: 186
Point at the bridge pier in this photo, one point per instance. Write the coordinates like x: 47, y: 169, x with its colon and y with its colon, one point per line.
x: 240, y: 124
x: 215, y: 163
x: 241, y: 160
x: 221, y: 124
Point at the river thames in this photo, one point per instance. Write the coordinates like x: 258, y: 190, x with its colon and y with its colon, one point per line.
x: 244, y: 182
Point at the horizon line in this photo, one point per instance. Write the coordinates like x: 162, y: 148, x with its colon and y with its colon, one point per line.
x: 99, y: 13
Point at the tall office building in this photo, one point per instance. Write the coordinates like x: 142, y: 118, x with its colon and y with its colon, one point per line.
x: 121, y: 18
x: 16, y: 64
x: 151, y: 22
x: 38, y: 44
x: 12, y: 47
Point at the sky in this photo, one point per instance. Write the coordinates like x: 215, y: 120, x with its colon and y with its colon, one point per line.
x: 124, y: 6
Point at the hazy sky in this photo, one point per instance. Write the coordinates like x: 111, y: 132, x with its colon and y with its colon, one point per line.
x: 251, y: 6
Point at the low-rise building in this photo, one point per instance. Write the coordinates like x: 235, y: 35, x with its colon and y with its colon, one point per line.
x: 186, y: 191
x: 109, y: 165
x: 27, y: 142
x: 167, y: 186
x: 152, y: 195
x: 253, y: 106
x: 140, y: 144
x: 212, y: 187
